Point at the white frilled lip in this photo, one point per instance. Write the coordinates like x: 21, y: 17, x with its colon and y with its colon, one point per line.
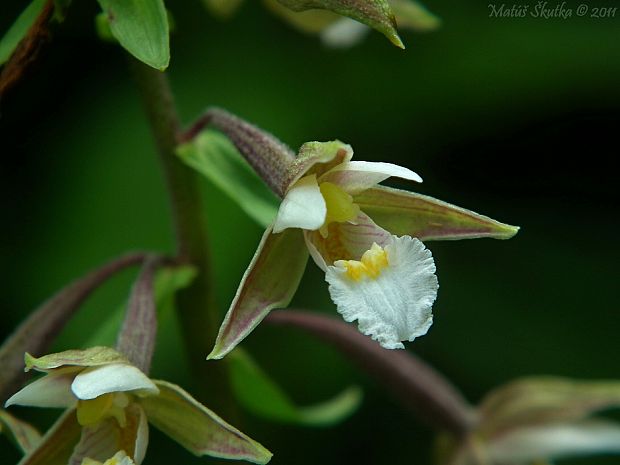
x: 61, y: 387
x: 396, y: 305
x: 304, y: 206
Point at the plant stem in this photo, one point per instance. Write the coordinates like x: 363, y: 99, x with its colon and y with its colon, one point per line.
x: 196, y: 305
x: 416, y: 384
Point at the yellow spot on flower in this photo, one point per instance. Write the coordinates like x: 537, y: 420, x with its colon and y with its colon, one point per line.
x: 340, y: 206
x: 90, y: 412
x: 372, y: 263
x: 119, y: 457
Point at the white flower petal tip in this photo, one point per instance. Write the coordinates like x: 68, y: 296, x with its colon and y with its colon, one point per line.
x: 357, y: 176
x: 381, y: 168
x: 303, y: 207
x: 117, y: 377
x: 390, y: 291
x: 51, y: 391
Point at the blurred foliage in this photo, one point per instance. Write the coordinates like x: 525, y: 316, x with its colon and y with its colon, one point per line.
x: 514, y: 118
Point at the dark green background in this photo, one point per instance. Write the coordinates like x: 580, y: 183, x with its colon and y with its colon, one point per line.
x: 513, y: 118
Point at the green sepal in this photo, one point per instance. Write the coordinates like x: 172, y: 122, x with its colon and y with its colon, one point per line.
x: 177, y: 414
x: 214, y: 156
x: 141, y: 27
x: 260, y: 395
x: 269, y: 282
x: 25, y: 436
x: 56, y: 446
x: 408, y: 213
x: 317, y: 158
x: 19, y: 29
x: 91, y: 357
x: 374, y: 13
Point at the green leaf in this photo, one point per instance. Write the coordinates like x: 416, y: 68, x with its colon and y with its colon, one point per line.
x: 374, y: 13
x: 167, y: 282
x: 213, y: 155
x: 141, y: 27
x: 19, y: 29
x: 261, y: 396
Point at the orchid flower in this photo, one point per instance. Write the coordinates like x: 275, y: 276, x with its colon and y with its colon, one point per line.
x: 540, y: 419
x: 113, y: 402
x: 365, y: 237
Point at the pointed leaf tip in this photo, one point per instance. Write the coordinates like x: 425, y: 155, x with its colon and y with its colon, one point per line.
x: 259, y: 394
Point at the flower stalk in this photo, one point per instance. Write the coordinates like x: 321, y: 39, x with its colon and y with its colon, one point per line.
x: 417, y: 385
x: 196, y: 304
x: 269, y: 157
x: 38, y: 331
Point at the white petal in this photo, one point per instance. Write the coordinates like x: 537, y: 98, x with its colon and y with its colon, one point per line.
x: 52, y: 390
x: 344, y: 33
x: 396, y: 305
x: 303, y: 206
x: 309, y: 237
x: 357, y: 176
x: 142, y: 437
x: 556, y: 441
x: 96, y: 381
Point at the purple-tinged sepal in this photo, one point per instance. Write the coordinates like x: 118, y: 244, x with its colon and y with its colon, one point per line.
x: 408, y: 213
x: 269, y: 282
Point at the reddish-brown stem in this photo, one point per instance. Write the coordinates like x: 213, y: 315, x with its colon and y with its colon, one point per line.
x: 416, y: 384
x: 38, y: 331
